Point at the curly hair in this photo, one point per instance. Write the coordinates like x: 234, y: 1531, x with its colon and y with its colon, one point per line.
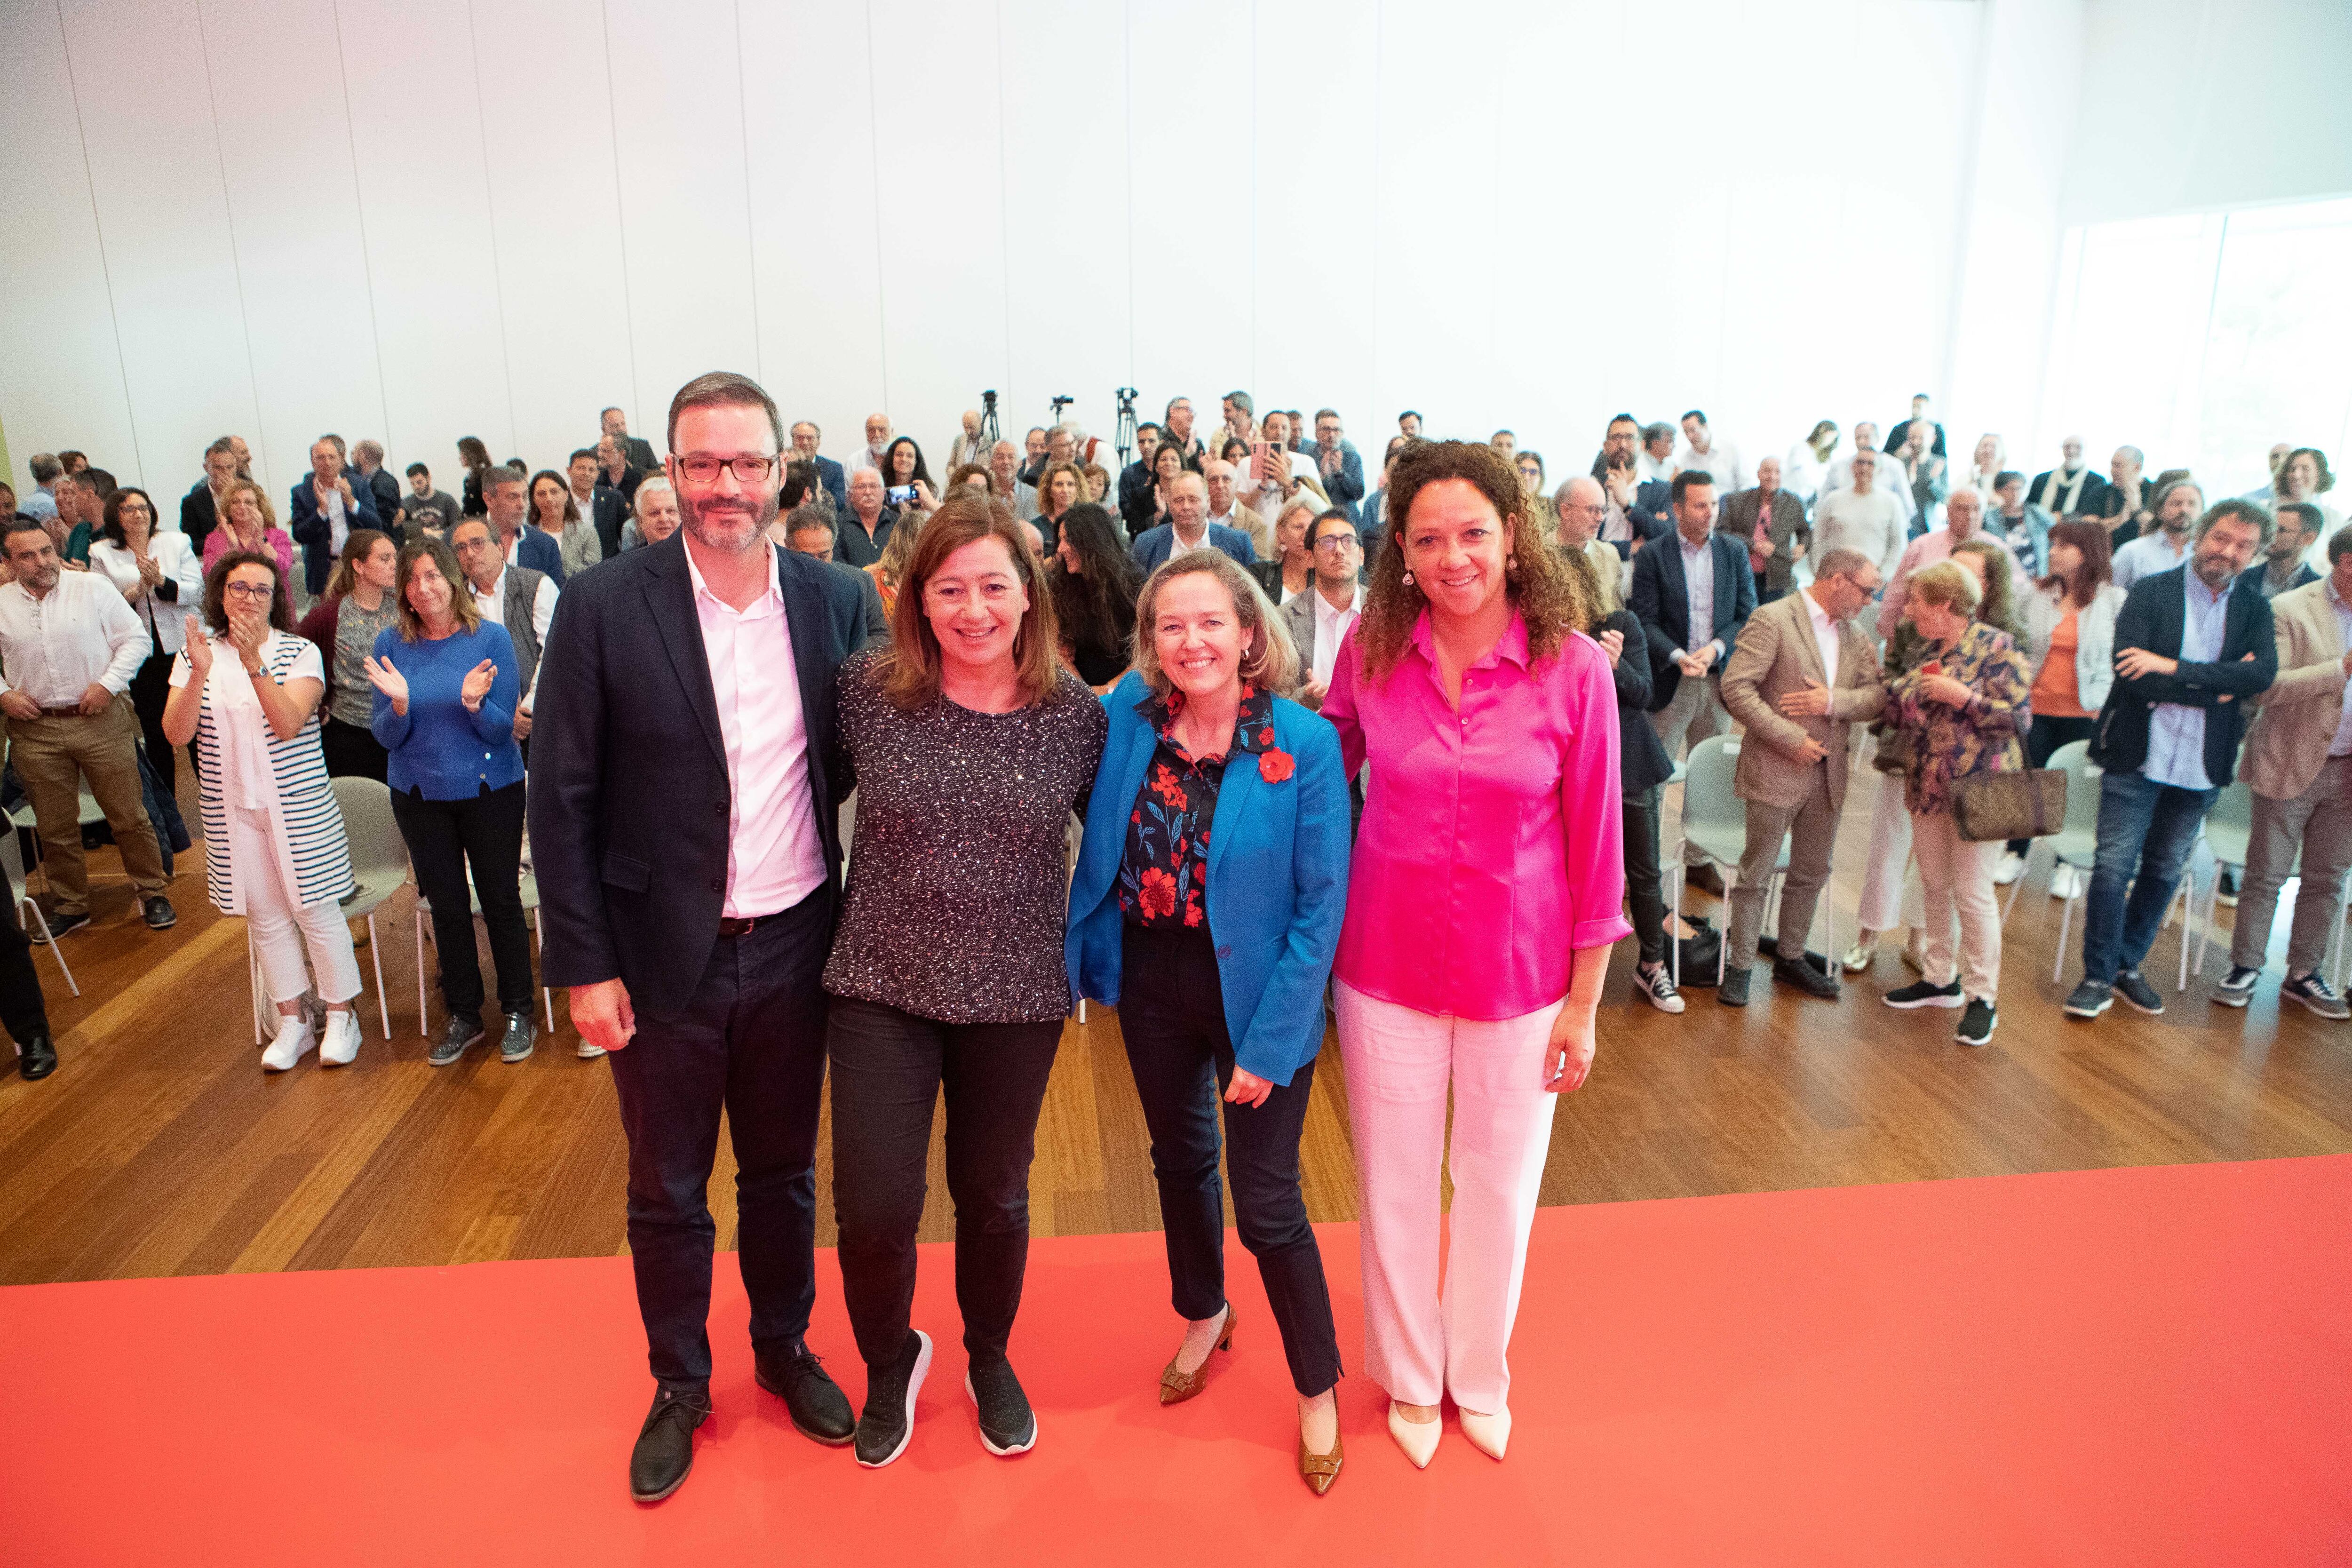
x: 215, y: 607
x: 1998, y: 608
x: 1553, y: 602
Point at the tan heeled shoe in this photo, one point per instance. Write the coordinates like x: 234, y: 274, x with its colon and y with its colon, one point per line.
x: 1176, y: 1387
x: 1319, y: 1471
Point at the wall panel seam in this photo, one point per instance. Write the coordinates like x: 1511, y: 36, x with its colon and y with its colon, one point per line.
x: 97, y: 223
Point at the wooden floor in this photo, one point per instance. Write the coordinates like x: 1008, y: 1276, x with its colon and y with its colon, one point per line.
x: 160, y: 1147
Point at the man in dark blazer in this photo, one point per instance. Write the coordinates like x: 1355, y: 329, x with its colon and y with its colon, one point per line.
x: 318, y: 503
x: 601, y: 506
x: 683, y: 816
x: 1695, y: 566
x: 1788, y: 534
x: 2194, y: 647
x: 638, y: 450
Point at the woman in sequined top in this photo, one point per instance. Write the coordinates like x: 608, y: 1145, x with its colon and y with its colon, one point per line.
x: 969, y: 747
x: 1207, y: 905
x: 1962, y: 706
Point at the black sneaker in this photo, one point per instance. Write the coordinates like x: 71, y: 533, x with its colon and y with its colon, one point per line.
x: 2133, y: 988
x: 161, y: 915
x: 1802, y: 975
x: 2315, y: 992
x: 59, y: 925
x: 2237, y: 987
x: 2226, y: 895
x: 1732, y: 989
x: 1007, y: 1425
x: 522, y: 1033
x: 2090, y: 999
x: 1653, y: 982
x: 1976, y: 1024
x: 456, y: 1036
x: 664, y: 1456
x: 1706, y: 879
x: 819, y: 1410
x: 1919, y: 994
x: 888, y: 1420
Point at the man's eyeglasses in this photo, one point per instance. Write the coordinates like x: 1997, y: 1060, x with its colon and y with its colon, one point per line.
x: 1334, y: 542
x: 748, y: 470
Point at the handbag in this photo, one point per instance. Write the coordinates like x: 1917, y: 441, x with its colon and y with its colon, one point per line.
x: 1893, y: 752
x: 2029, y: 803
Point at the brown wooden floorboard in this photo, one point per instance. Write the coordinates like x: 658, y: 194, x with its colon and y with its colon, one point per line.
x: 161, y: 1148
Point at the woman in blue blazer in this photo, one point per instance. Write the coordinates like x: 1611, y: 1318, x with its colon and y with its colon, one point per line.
x: 1207, y: 905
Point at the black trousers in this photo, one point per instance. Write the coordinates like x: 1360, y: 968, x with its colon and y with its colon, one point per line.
x: 22, y: 1011
x: 353, y: 752
x: 751, y: 1042
x: 2045, y: 737
x: 1644, y: 882
x: 151, y: 687
x: 1172, y: 1016
x: 890, y: 1069
x: 443, y: 837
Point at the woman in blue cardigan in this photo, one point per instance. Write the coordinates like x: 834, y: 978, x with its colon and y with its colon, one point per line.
x: 445, y: 686
x: 1206, y: 905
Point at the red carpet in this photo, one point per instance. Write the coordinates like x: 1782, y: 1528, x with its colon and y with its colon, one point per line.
x: 2144, y: 1367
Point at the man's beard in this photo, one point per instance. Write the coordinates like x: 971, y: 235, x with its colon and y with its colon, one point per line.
x: 732, y: 527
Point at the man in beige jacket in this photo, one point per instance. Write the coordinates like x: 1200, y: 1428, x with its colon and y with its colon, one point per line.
x: 2298, y: 763
x: 1800, y: 673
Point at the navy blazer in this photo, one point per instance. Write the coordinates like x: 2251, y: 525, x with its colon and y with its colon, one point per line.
x: 315, y: 533
x: 1345, y: 488
x: 1648, y: 513
x: 1642, y: 759
x: 836, y: 484
x: 1660, y: 602
x: 537, y: 550
x: 1154, y: 545
x: 612, y: 508
x: 629, y: 796
x: 2154, y: 617
x: 1277, y: 880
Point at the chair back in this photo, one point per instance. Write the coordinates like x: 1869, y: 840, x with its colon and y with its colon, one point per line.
x: 379, y: 854
x: 12, y: 861
x: 1708, y: 798
x: 2229, y: 826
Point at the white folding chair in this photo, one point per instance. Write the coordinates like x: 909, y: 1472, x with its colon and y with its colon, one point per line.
x: 379, y: 864
x: 2229, y: 836
x: 529, y: 885
x: 12, y: 860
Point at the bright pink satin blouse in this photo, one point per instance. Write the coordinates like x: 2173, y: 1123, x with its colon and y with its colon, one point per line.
x: 1493, y: 838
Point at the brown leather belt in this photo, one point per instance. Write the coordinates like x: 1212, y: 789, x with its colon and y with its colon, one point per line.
x: 730, y: 925
x: 63, y: 714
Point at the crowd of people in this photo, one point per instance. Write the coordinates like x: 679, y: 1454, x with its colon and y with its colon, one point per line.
x: 1246, y: 666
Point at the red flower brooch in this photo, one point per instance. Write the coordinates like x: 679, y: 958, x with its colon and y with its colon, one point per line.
x: 1276, y: 767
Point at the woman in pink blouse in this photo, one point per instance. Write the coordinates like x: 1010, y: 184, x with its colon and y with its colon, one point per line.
x: 1486, y: 890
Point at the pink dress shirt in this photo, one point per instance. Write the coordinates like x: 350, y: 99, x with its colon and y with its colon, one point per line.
x: 1930, y: 547
x: 1493, y: 840
x: 774, y: 857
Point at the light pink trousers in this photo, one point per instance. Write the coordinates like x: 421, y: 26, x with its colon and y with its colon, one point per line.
x: 1419, y: 1344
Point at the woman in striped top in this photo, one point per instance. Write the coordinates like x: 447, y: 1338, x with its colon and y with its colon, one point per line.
x: 248, y: 689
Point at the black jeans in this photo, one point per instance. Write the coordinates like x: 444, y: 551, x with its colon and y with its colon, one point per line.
x: 443, y: 836
x: 751, y: 1041
x: 353, y: 752
x: 888, y: 1070
x: 151, y: 687
x: 1172, y: 1014
x: 2044, y: 738
x: 22, y: 1011
x: 1644, y: 883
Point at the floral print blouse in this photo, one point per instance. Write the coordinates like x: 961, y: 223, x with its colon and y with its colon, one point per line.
x: 1163, y: 876
x: 1951, y: 744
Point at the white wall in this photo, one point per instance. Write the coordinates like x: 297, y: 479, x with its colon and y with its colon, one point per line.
x: 418, y: 219
x: 2197, y: 105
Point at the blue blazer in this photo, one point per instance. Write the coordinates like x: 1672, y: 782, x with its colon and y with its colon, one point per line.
x: 1660, y: 602
x: 1154, y: 545
x: 312, y: 530
x: 1277, y: 881
x: 829, y: 476
x: 536, y: 551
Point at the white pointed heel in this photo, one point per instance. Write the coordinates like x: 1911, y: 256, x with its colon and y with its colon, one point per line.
x: 1417, y: 1439
x: 1490, y: 1435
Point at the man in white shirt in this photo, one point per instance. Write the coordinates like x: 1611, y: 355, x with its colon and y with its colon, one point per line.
x: 2163, y: 547
x: 1702, y: 449
x: 70, y: 645
x: 1225, y: 511
x: 1320, y: 619
x: 1656, y: 459
x: 501, y: 591
x: 1861, y: 514
x: 1891, y: 478
x: 877, y: 441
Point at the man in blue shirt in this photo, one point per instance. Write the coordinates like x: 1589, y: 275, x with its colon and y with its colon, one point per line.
x: 2193, y: 648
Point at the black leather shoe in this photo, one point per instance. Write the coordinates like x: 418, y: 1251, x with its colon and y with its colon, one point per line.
x: 1732, y: 992
x: 36, y: 1057
x: 59, y: 925
x: 1706, y: 879
x: 659, y: 1465
x: 820, y: 1411
x: 1804, y: 977
x: 160, y: 914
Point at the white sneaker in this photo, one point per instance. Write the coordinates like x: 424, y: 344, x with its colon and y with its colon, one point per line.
x: 2012, y: 866
x: 589, y: 1052
x: 1653, y: 982
x: 342, y: 1041
x: 295, y: 1040
x: 2066, y: 883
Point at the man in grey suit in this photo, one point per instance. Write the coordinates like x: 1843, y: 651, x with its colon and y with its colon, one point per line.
x: 1800, y: 673
x: 1320, y: 619
x: 808, y: 530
